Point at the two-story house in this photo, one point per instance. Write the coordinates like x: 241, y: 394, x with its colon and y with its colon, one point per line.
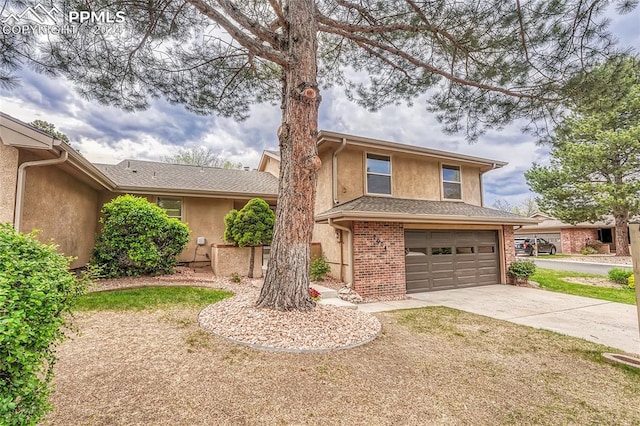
x: 390, y: 218
x: 394, y: 218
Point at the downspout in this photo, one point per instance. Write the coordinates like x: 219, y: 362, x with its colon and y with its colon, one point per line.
x: 493, y: 167
x: 349, y: 252
x: 334, y: 171
x: 64, y: 155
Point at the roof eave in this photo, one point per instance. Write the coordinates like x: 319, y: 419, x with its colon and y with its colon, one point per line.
x: 328, y: 136
x: 194, y: 192
x: 87, y: 168
x: 419, y: 218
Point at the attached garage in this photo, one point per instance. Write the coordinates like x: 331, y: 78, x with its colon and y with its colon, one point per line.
x: 445, y: 259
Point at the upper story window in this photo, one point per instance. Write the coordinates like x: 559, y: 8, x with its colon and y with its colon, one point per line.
x: 173, y: 206
x: 451, y: 183
x: 378, y: 174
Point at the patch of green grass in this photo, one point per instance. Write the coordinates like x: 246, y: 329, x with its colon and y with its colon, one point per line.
x: 552, y: 280
x: 138, y: 299
x: 552, y: 256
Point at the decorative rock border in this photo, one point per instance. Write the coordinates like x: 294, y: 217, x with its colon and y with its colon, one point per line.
x: 323, y: 329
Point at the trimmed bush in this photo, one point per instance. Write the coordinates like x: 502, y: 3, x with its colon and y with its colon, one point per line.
x: 521, y: 270
x: 252, y: 226
x: 37, y: 292
x: 619, y: 276
x: 319, y: 268
x: 137, y: 238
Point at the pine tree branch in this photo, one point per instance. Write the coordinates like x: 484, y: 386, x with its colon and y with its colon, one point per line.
x: 254, y: 27
x: 251, y: 44
x: 277, y: 9
x: 423, y: 65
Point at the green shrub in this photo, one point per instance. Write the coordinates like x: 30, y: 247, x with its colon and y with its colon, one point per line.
x: 589, y: 250
x: 631, y: 282
x: 319, y: 268
x: 36, y: 294
x: 137, y: 238
x: 521, y: 270
x: 252, y: 226
x: 619, y: 276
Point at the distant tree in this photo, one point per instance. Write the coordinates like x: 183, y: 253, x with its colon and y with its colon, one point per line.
x: 595, y: 156
x: 250, y: 227
x: 502, y: 205
x: 480, y: 64
x: 527, y: 208
x: 50, y: 129
x: 201, y: 156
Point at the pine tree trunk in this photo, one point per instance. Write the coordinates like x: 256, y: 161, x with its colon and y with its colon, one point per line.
x: 252, y: 256
x: 286, y: 284
x: 622, y: 234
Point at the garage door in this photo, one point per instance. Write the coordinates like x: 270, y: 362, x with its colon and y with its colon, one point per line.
x: 442, y: 259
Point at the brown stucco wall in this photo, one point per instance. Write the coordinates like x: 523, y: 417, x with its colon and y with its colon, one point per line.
x: 350, y: 174
x: 415, y: 177
x: 412, y: 176
x: 573, y: 239
x: 227, y: 260
x: 272, y: 166
x: 64, y: 208
x: 8, y: 178
x: 471, y: 185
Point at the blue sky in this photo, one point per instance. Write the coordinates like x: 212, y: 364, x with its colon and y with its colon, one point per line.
x: 108, y: 135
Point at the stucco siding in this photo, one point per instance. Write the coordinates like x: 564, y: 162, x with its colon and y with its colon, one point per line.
x: 415, y: 177
x: 471, y: 185
x: 205, y: 218
x: 412, y: 176
x: 64, y: 208
x: 350, y: 174
x: 272, y: 166
x: 324, y: 191
x: 8, y: 178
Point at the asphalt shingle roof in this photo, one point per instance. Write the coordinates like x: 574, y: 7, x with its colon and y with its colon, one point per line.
x: 369, y: 204
x: 152, y: 175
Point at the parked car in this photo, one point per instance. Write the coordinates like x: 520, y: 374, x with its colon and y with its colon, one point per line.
x: 526, y: 246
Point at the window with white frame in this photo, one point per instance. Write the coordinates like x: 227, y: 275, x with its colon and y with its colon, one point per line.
x: 451, y: 182
x: 378, y: 174
x: 173, y: 206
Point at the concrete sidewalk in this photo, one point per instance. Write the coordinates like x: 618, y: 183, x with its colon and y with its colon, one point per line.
x: 599, y: 321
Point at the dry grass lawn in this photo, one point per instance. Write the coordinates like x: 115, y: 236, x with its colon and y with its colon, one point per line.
x: 430, y: 366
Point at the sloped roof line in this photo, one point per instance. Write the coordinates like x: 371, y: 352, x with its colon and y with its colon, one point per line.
x: 407, y: 210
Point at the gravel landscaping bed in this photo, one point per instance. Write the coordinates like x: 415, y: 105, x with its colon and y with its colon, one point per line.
x: 325, y: 328
x: 322, y: 329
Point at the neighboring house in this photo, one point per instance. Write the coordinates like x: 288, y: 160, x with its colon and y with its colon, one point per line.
x: 566, y: 237
x: 390, y: 218
x: 47, y: 185
x: 394, y: 218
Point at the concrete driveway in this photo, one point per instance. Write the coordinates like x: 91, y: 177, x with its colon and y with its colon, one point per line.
x: 607, y: 323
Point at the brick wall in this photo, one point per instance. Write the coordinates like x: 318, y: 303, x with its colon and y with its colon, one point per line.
x: 509, y: 245
x: 573, y: 239
x: 378, y: 259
